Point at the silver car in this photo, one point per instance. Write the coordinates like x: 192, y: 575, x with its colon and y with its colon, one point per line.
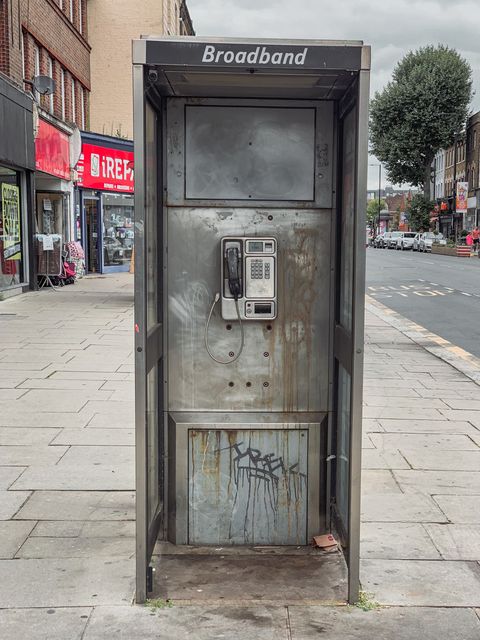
x: 392, y: 240
x: 428, y: 238
x: 406, y: 240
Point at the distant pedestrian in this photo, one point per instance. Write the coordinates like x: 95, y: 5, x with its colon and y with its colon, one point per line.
x: 469, y: 239
x: 476, y: 238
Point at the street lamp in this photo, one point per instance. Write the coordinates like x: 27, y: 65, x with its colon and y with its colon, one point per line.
x: 379, y: 190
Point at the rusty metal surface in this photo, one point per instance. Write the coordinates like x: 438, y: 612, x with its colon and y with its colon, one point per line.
x: 248, y: 486
x: 294, y: 373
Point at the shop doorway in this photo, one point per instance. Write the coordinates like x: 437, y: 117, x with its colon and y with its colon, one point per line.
x: 92, y: 217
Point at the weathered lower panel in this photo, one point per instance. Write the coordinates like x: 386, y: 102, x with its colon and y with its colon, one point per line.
x: 248, y: 486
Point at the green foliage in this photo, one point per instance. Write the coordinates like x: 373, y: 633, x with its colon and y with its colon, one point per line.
x: 418, y: 212
x: 373, y: 209
x: 365, y: 602
x: 419, y: 112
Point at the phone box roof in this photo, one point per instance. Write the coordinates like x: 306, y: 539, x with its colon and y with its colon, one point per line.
x: 214, y: 67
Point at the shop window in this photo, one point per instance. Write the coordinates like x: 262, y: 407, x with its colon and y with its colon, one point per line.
x: 53, y: 214
x: 117, y: 229
x: 11, y: 244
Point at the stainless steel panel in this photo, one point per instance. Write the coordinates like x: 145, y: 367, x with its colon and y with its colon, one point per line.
x: 242, y: 153
x: 285, y: 362
x: 181, y: 426
x: 248, y: 486
x: 320, y: 169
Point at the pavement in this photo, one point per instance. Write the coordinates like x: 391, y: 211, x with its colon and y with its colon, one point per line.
x: 67, y: 481
x: 431, y: 290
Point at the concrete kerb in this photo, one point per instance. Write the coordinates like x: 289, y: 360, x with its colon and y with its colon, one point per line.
x: 457, y: 357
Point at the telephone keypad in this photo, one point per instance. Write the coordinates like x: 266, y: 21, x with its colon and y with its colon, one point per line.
x: 256, y: 270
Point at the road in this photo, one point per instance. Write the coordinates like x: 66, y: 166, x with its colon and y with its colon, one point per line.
x: 441, y: 293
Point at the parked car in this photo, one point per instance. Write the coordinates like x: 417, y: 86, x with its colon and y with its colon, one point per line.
x: 405, y: 241
x: 377, y: 241
x: 428, y: 238
x: 385, y: 239
x: 392, y: 240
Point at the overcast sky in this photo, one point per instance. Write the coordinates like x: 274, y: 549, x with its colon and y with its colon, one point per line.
x: 391, y: 28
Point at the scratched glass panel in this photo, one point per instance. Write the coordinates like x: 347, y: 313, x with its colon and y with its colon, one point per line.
x: 248, y: 487
x: 243, y: 153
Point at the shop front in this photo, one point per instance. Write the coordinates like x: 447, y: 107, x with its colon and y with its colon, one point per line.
x: 104, y: 203
x: 17, y: 165
x: 54, y: 187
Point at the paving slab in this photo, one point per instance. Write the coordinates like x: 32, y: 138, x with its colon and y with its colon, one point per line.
x: 371, y: 426
x: 84, y: 529
x: 403, y: 402
x: 400, y: 507
x: 86, y: 477
x: 44, y: 624
x: 439, y: 460
x: 422, y: 583
x: 8, y: 475
x: 64, y: 383
x: 403, y: 413
x: 198, y: 622
x: 27, y: 436
x: 80, y: 582
x: 456, y: 541
x: 422, y: 441
x: 79, y: 505
x: 396, y: 540
x: 460, y: 509
x: 52, y: 401
x: 387, y: 459
x: 393, y: 623
x: 427, y: 426
x: 9, y: 417
x: 10, y: 503
x: 27, y: 455
x: 79, y: 455
x: 106, y: 421
x: 12, y: 535
x: 439, y: 482
x: 80, y: 547
x: 376, y: 481
x: 97, y: 436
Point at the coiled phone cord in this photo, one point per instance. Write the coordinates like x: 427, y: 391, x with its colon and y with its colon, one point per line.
x: 207, y: 324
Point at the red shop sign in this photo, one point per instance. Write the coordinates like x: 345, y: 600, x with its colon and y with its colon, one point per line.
x: 52, y: 151
x: 105, y: 169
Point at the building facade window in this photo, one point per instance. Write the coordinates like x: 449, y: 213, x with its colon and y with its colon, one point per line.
x: 50, y: 73
x: 74, y: 114
x: 71, y: 10
x: 80, y: 16
x: 62, y: 93
x: 82, y: 108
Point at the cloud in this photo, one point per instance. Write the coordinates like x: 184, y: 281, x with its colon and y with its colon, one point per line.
x: 390, y: 28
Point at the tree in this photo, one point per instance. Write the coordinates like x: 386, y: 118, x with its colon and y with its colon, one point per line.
x: 373, y: 210
x: 418, y: 212
x: 419, y: 112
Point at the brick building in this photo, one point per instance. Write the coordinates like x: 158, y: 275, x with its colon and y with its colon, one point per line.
x: 48, y: 38
x: 473, y: 171
x: 112, y: 24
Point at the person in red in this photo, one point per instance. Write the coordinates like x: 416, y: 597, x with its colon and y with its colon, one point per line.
x: 475, y: 238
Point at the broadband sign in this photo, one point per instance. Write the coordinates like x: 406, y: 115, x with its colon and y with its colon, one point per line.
x: 246, y: 54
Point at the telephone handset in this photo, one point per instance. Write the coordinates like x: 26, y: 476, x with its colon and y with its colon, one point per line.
x: 233, y: 270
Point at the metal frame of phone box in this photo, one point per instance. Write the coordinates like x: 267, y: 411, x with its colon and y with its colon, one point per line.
x: 196, y: 69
